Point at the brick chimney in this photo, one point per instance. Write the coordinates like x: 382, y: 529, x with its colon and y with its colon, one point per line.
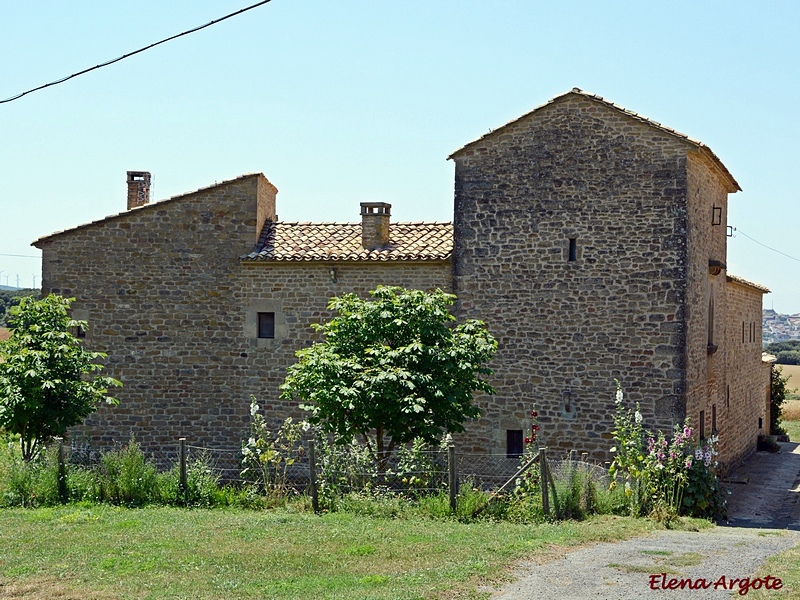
x: 375, y: 224
x: 138, y: 188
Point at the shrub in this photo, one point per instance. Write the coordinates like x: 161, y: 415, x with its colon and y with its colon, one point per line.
x: 128, y: 478
x: 267, y: 458
x: 668, y: 477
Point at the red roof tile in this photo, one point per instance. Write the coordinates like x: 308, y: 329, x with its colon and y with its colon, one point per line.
x: 342, y: 241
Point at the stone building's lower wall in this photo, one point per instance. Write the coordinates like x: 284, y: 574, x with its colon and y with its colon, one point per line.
x: 192, y: 374
x: 742, y: 416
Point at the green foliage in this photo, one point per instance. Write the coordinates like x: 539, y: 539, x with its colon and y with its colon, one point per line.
x: 787, y: 346
x: 9, y: 298
x: 392, y: 368
x: 27, y: 483
x: 667, y: 477
x: 778, y: 395
x: 629, y: 459
x: 44, y: 388
x: 703, y: 495
x: 416, y: 469
x: 128, y: 478
x: 266, y: 458
x: 787, y: 353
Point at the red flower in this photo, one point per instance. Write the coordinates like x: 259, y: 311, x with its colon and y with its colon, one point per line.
x: 528, y: 440
x: 534, y: 414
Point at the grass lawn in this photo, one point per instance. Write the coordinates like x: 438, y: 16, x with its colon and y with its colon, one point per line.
x: 97, y: 551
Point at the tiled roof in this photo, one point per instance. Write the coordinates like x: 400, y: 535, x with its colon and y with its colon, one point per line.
x: 742, y: 281
x: 577, y: 91
x: 342, y: 241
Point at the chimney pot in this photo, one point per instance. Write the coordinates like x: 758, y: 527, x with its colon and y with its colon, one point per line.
x: 138, y: 188
x: 375, y: 224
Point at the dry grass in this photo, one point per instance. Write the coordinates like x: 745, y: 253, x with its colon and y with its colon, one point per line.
x: 791, y: 411
x: 4, y: 334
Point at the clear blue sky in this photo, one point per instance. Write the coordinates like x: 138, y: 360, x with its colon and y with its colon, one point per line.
x: 348, y: 101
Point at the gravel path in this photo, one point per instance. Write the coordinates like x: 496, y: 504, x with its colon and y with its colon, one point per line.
x: 763, y: 519
x: 623, y: 570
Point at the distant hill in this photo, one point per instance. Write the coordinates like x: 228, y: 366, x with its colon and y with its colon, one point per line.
x: 776, y: 327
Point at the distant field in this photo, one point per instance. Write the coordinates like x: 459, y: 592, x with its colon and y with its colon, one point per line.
x: 793, y: 385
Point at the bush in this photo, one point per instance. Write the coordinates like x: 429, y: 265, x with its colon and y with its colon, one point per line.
x: 30, y: 484
x: 128, y: 478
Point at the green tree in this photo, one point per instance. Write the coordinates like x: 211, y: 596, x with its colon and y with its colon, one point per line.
x: 778, y: 394
x: 45, y: 386
x: 392, y: 369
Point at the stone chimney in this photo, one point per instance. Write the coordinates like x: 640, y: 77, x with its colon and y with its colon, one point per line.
x: 138, y: 188
x: 375, y: 224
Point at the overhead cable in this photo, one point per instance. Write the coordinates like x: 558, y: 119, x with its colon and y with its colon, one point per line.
x: 764, y: 245
x: 124, y: 56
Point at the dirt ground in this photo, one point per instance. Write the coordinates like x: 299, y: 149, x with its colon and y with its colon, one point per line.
x: 763, y: 520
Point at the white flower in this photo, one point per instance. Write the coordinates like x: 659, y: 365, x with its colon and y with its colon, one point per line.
x: 698, y: 454
x: 638, y: 417
x: 253, y: 409
x: 305, y: 425
x: 251, y: 441
x: 619, y: 397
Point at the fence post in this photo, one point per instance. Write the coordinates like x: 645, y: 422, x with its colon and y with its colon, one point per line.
x: 543, y: 476
x: 312, y: 474
x: 452, y: 476
x: 182, y: 484
x: 62, y: 472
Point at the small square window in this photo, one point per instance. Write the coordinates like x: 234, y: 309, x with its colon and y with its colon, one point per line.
x: 80, y: 332
x: 266, y: 324
x: 513, y: 443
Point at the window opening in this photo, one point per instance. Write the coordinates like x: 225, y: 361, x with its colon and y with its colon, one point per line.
x: 702, y: 424
x: 573, y: 249
x: 513, y: 443
x: 266, y: 324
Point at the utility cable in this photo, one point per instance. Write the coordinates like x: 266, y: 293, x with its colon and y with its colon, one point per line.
x: 124, y: 56
x: 764, y: 245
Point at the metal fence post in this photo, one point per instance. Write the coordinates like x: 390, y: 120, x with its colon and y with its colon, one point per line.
x: 543, y: 477
x: 62, y: 472
x: 452, y: 476
x: 182, y: 484
x: 312, y: 474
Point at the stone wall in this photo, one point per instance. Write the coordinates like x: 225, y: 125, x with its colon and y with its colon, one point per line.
x: 707, y: 309
x: 169, y: 301
x: 742, y: 414
x: 571, y: 242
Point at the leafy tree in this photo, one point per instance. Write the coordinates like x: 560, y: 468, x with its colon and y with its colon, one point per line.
x: 44, y: 387
x: 778, y: 394
x: 9, y: 298
x: 393, y: 368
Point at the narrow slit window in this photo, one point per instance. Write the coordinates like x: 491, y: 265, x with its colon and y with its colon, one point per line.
x: 266, y: 324
x: 702, y: 424
x: 573, y: 249
x: 713, y: 419
x: 513, y: 443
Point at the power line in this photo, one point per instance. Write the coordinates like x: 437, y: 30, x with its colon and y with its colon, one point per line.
x: 764, y: 245
x: 124, y: 56
x: 21, y: 255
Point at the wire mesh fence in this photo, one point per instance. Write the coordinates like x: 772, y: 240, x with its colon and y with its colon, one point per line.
x: 338, y: 470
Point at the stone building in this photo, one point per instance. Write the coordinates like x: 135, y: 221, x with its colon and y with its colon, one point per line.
x: 590, y: 239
